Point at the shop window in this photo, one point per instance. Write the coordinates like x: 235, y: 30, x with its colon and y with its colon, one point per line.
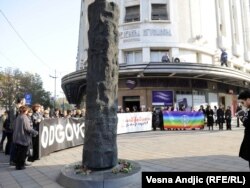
x: 132, y: 14
x: 159, y: 12
x: 133, y: 57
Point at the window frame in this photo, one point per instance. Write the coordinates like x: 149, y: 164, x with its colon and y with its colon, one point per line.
x: 164, y: 11
x: 159, y: 53
x: 133, y: 15
x: 135, y: 59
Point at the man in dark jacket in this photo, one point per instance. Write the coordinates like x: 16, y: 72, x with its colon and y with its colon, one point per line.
x: 244, y: 153
x: 223, y: 58
x: 220, y: 117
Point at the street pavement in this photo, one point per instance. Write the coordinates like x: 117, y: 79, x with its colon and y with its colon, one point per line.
x: 164, y: 151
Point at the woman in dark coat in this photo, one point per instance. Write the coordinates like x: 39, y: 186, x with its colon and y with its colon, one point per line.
x: 210, y: 117
x: 220, y: 117
x: 228, y: 117
x: 161, y: 122
x: 244, y: 153
x: 36, y: 117
x: 155, y: 122
x: 8, y: 132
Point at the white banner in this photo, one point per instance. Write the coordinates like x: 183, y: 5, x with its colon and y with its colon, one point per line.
x: 134, y: 122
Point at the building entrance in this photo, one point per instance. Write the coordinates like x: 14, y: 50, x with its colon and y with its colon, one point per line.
x: 222, y: 100
x: 132, y: 102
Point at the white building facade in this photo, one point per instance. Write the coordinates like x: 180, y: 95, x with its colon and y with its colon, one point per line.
x: 192, y: 33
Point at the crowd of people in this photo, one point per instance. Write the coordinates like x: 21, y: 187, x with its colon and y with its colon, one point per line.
x: 20, y: 126
x: 216, y: 116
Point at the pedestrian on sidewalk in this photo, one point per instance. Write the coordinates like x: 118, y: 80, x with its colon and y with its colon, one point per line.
x: 210, y: 118
x: 228, y: 117
x: 8, y: 131
x: 244, y: 152
x: 4, y: 133
x: 14, y: 112
x: 215, y: 115
x: 22, y: 137
x: 220, y: 117
x: 238, y: 109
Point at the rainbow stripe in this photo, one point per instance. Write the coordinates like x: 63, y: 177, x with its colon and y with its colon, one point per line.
x: 181, y: 119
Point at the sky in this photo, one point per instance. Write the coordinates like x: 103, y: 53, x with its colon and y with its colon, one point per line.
x: 40, y: 36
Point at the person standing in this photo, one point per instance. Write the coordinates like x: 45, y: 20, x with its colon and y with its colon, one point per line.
x: 244, y: 153
x: 223, y: 58
x: 14, y: 112
x: 210, y: 118
x: 8, y: 131
x: 22, y: 136
x: 30, y: 148
x: 155, y: 119
x: 161, y: 120
x: 165, y: 58
x: 239, y: 108
x: 220, y: 117
x: 228, y: 117
x: 4, y: 134
x: 215, y: 115
x: 204, y: 113
x: 37, y: 117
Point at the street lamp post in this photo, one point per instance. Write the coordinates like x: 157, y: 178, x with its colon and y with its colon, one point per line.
x: 54, y: 77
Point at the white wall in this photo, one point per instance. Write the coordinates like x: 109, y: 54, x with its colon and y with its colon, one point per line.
x: 192, y: 33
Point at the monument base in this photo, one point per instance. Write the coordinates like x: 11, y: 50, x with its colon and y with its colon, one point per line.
x: 99, y: 179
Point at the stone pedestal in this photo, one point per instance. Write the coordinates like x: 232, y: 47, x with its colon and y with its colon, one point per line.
x: 99, y: 179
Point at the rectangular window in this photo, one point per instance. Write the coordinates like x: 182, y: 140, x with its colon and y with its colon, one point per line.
x: 132, y: 14
x: 159, y: 12
x: 129, y: 57
x: 156, y: 55
x: 138, y: 57
x: 133, y: 57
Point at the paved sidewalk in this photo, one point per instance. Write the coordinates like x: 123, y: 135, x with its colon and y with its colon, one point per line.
x: 190, y: 150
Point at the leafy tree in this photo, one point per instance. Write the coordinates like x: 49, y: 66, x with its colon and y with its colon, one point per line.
x: 15, y: 84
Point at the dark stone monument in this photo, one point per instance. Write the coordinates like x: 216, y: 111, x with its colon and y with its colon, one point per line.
x: 100, y: 144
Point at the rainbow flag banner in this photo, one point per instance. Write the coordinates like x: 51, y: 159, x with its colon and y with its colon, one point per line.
x: 183, y: 120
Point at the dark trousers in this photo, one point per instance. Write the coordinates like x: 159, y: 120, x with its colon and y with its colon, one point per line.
x: 21, y: 154
x: 4, y: 135
x: 228, y: 122
x: 224, y: 63
x: 9, y: 142
x: 161, y: 126
x: 210, y: 126
x: 220, y: 126
x: 13, y: 152
x: 35, y: 143
x: 238, y: 122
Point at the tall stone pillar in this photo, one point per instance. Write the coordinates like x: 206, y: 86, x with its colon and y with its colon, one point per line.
x: 100, y: 142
